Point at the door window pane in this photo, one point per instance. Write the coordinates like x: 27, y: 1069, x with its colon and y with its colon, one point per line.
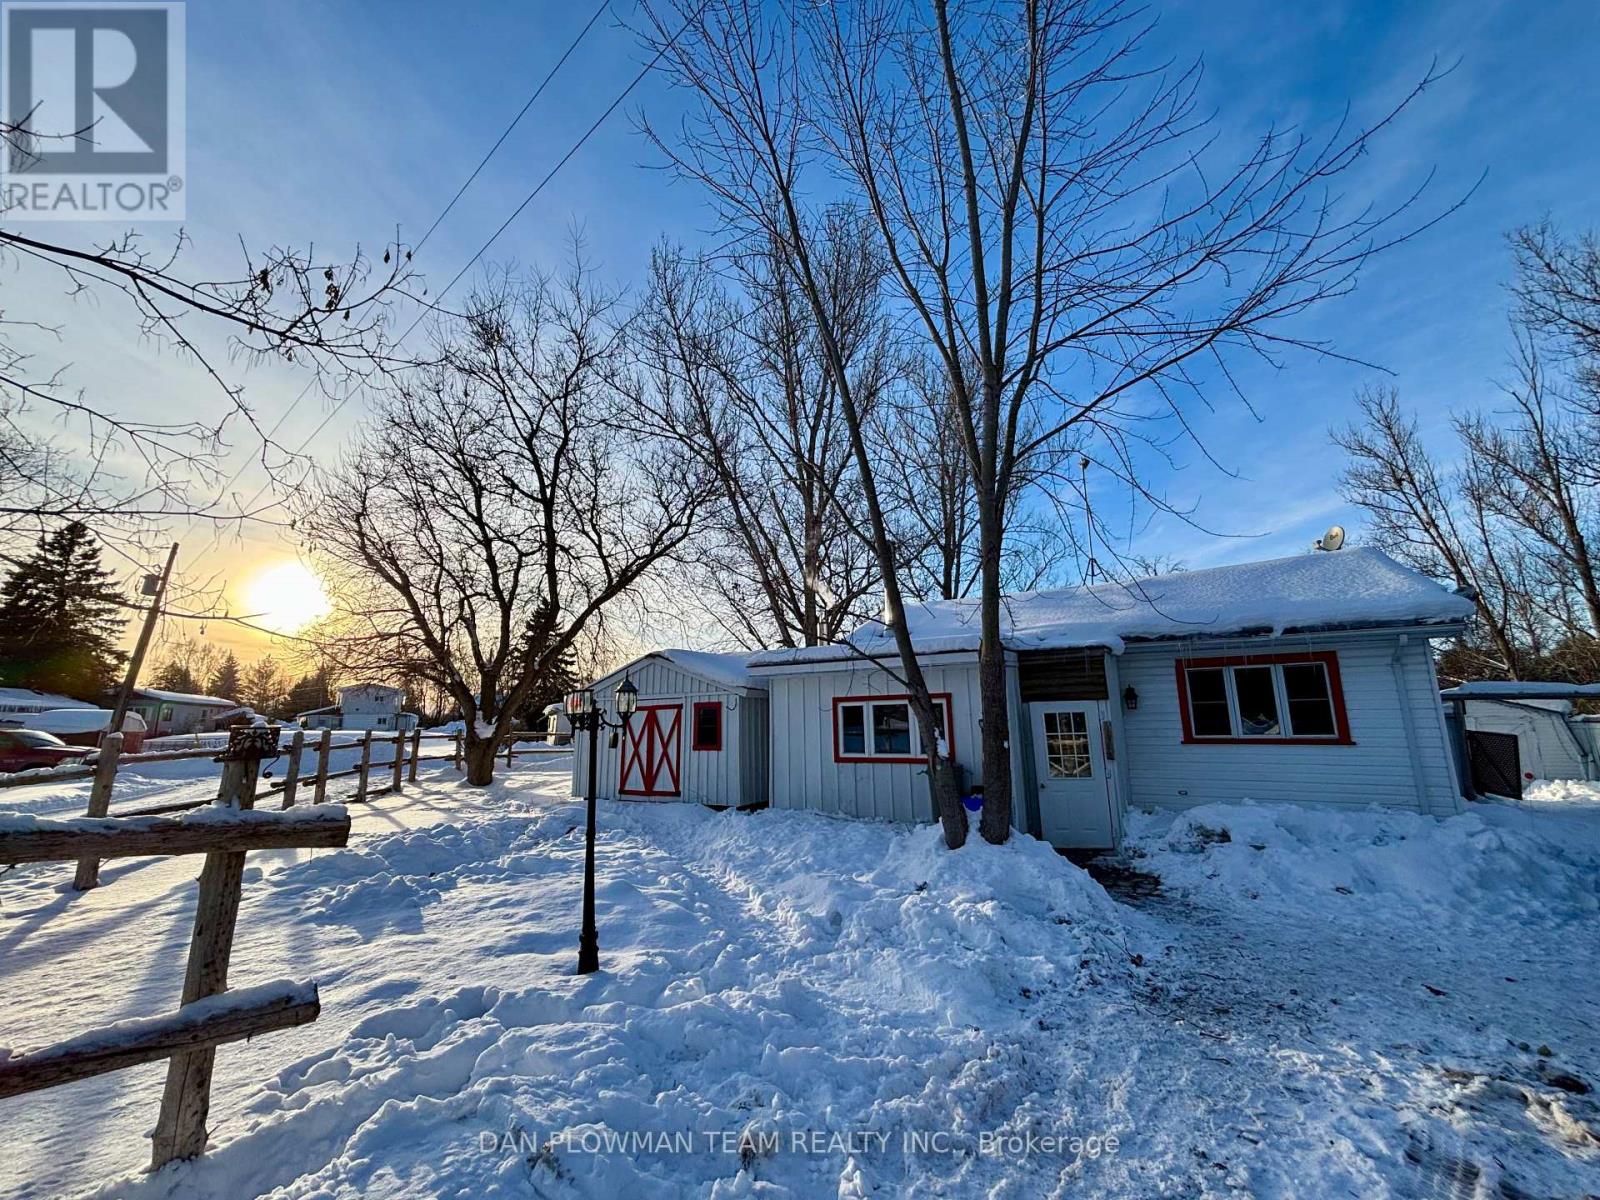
x: 891, y: 729
x: 852, y: 729
x: 1066, y: 745
x: 1208, y: 703
x: 1305, y: 687
x: 1258, y: 702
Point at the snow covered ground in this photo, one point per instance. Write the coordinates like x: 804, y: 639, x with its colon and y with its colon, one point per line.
x: 792, y: 1005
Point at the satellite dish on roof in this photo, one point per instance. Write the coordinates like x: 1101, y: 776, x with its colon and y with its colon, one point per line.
x: 1333, y: 539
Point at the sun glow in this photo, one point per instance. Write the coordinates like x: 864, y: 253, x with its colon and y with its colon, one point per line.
x: 285, y: 597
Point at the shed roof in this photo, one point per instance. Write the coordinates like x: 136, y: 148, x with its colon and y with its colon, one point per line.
x: 723, y: 670
x: 1342, y: 589
x: 15, y: 695
x: 183, y: 698
x: 1516, y: 689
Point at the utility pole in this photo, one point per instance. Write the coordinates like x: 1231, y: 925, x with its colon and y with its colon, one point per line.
x: 137, y: 661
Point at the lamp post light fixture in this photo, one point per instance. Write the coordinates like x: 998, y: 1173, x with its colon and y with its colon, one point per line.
x: 585, y: 714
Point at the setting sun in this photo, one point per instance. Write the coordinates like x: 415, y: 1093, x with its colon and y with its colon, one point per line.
x: 285, y: 597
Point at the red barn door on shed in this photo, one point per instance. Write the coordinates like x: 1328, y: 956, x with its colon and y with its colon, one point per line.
x: 650, y: 748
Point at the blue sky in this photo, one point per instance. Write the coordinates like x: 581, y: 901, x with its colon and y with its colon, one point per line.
x: 333, y: 122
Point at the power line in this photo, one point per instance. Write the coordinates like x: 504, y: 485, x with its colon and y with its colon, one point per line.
x: 445, y: 212
x: 537, y: 92
x: 504, y: 225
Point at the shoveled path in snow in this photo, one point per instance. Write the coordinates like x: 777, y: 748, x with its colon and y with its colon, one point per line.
x: 784, y: 974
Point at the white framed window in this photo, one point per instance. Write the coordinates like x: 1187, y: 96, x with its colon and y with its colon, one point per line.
x: 1067, y: 752
x: 1263, y: 698
x: 882, y: 728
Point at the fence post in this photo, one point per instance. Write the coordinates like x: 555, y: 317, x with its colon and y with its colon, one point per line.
x: 105, y: 776
x: 323, y: 748
x: 458, y: 752
x: 416, y: 751
x: 291, y: 774
x: 180, y: 1130
x: 399, y: 761
x: 511, y: 742
x: 366, y: 764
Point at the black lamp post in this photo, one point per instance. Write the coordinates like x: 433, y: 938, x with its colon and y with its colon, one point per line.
x: 585, y: 713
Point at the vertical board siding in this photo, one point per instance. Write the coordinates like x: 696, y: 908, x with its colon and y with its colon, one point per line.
x: 1547, y: 743
x: 1382, y: 767
x: 719, y: 777
x: 803, y: 774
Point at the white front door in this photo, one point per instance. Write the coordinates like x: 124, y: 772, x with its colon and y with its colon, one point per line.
x: 1069, y: 761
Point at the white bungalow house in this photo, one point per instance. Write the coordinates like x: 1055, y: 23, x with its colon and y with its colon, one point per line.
x: 1298, y: 679
x: 374, y: 706
x: 177, y: 712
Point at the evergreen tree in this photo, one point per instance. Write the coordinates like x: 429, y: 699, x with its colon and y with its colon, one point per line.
x: 61, y: 618
x: 310, y: 691
x: 173, y: 676
x: 264, y: 688
x: 225, y: 682
x: 561, y: 678
x: 188, y: 664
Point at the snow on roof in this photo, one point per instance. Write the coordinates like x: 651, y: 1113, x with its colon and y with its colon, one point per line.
x: 725, y: 670
x: 1341, y: 589
x: 11, y: 695
x: 731, y: 670
x: 74, y: 720
x: 1514, y: 689
x: 182, y: 697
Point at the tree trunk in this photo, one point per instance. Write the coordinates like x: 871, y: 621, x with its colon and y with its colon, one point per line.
x: 994, y: 716
x: 947, y: 800
x: 480, y: 760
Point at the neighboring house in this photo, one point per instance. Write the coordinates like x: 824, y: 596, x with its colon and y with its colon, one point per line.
x: 1298, y: 679
x: 26, y: 700
x: 557, y: 728
x: 1517, y: 732
x: 374, y: 706
x: 700, y: 732
x: 176, y: 712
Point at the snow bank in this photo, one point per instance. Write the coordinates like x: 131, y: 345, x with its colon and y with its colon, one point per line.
x: 765, y: 974
x: 1492, y: 859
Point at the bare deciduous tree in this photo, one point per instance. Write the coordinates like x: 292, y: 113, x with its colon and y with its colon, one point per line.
x: 740, y: 382
x: 497, y: 500
x: 1432, y: 520
x: 1059, y: 225
x: 68, y: 455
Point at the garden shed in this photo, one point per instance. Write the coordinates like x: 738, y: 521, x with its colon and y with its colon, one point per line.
x: 699, y: 735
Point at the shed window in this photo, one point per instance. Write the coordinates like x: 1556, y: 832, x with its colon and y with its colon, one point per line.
x: 882, y: 729
x: 707, y: 725
x: 1263, y: 698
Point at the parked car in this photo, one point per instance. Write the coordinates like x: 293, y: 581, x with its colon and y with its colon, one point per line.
x: 25, y: 749
x: 81, y: 726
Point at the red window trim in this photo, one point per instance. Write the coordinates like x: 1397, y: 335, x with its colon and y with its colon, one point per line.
x: 1330, y: 663
x: 944, y: 698
x: 694, y: 729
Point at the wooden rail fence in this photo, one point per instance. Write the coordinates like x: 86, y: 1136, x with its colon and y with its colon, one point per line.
x: 399, y: 767
x: 208, y: 1015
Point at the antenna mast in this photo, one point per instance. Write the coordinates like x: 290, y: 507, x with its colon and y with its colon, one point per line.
x: 1088, y: 517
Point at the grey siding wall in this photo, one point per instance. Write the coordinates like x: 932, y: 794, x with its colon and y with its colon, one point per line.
x: 1547, y: 744
x: 720, y: 777
x: 803, y: 773
x: 755, y: 741
x: 1400, y: 755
